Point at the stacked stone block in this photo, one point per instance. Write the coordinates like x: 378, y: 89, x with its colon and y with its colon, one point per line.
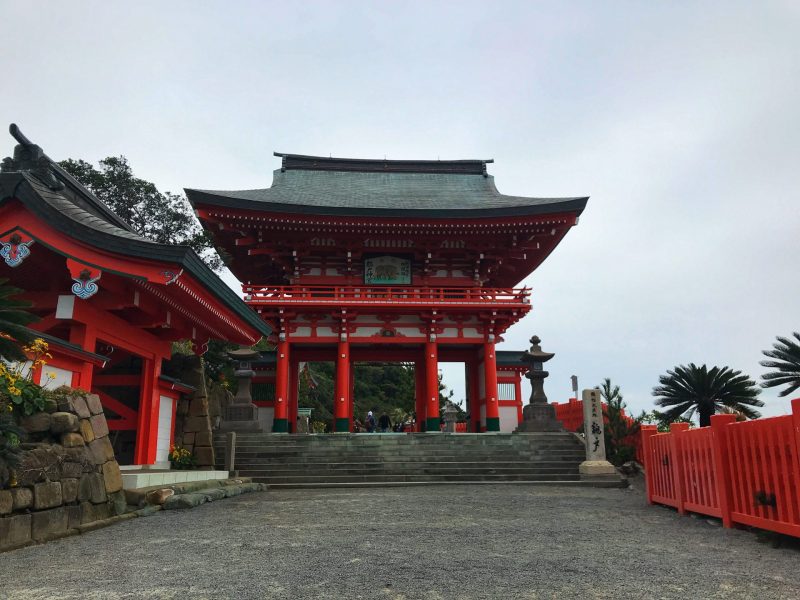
x: 193, y: 420
x: 68, y: 475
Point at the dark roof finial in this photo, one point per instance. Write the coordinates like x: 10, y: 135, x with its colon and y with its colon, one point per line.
x: 30, y: 157
x: 19, y: 136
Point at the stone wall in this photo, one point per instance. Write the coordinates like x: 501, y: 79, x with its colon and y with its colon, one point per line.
x: 194, y: 414
x: 68, y: 475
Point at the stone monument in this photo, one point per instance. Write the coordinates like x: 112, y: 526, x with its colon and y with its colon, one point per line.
x: 450, y: 416
x: 538, y: 415
x: 595, y: 464
x: 241, y: 414
x: 303, y: 420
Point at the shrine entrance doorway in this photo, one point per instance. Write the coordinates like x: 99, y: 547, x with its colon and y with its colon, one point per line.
x: 384, y: 387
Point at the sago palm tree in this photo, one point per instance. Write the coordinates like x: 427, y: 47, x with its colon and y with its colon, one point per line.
x: 786, y: 355
x: 13, y: 319
x: 689, y: 389
x: 619, y: 427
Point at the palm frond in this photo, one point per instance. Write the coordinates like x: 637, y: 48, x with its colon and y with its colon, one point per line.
x: 786, y: 364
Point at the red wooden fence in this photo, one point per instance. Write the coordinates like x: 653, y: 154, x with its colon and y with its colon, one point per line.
x: 570, y: 413
x: 746, y: 473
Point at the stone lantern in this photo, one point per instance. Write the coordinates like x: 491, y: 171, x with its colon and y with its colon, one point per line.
x: 538, y: 414
x: 241, y: 414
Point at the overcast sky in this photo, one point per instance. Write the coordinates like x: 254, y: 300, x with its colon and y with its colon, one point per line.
x: 680, y: 120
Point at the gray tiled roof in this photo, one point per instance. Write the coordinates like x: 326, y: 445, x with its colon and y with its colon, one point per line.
x: 64, y: 203
x: 510, y: 358
x: 327, y: 191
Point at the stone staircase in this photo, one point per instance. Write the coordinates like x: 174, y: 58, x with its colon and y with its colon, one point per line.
x: 348, y: 460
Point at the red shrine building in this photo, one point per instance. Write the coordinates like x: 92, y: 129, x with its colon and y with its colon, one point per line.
x: 409, y: 261
x: 111, y: 302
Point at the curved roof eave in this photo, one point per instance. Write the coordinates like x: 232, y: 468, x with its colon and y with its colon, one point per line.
x: 134, y: 246
x: 538, y: 206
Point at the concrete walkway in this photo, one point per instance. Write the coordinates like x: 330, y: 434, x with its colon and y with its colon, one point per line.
x: 498, y: 541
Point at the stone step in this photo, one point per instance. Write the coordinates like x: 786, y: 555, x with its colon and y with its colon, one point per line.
x: 391, y: 473
x: 384, y: 443
x: 381, y: 468
x: 407, y: 450
x: 405, y: 459
x: 406, y: 441
x: 484, y: 440
x: 366, y: 436
x: 327, y: 478
x: 588, y: 483
x: 329, y: 456
x: 400, y: 464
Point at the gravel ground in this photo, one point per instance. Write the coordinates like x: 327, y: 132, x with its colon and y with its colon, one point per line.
x: 430, y: 542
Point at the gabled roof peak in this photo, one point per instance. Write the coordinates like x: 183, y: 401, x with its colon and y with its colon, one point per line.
x: 31, y: 158
x: 302, y: 162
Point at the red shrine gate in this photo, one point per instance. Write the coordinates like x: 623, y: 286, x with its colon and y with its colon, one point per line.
x: 376, y: 260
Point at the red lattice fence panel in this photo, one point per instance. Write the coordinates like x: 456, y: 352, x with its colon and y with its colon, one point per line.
x: 765, y: 474
x: 746, y: 473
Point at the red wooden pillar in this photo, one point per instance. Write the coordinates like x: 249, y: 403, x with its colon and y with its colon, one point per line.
x: 149, y: 404
x: 294, y: 387
x: 719, y: 441
x: 85, y: 336
x: 341, y: 399
x: 473, y: 385
x: 351, y: 406
x: 280, y: 420
x: 432, y: 386
x: 518, y: 394
x: 646, y: 432
x: 490, y: 387
x: 677, y: 463
x: 419, y: 394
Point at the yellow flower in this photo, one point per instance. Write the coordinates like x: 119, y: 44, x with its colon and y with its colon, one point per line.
x: 51, y: 375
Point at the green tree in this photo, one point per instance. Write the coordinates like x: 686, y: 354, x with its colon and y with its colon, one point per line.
x: 619, y: 427
x: 162, y: 217
x: 660, y: 420
x: 689, y: 389
x: 786, y: 362
x: 379, y: 387
x: 14, y: 317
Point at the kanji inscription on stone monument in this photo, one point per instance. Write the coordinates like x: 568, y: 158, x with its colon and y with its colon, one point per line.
x: 595, y: 463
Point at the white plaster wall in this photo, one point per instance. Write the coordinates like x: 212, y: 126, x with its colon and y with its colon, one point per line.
x: 471, y: 332
x: 61, y: 377
x: 26, y: 366
x: 164, y: 430
x: 366, y: 331
x: 409, y: 331
x: 405, y: 319
x: 509, y: 418
x: 302, y: 332
x: 449, y: 332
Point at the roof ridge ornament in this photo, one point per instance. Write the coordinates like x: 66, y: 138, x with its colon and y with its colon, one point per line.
x: 30, y: 157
